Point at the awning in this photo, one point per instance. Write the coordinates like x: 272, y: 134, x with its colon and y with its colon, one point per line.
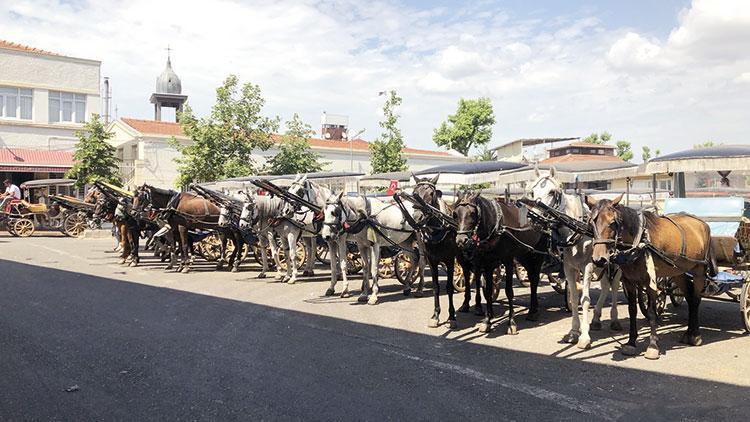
x: 32, y: 169
x: 32, y: 160
x: 719, y: 158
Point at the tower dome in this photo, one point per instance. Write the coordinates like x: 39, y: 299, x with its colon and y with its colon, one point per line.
x: 168, y: 82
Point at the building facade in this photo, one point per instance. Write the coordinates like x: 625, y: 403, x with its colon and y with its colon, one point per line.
x: 44, y: 99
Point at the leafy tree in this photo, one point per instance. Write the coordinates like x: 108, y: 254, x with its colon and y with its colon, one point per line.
x: 657, y: 153
x: 598, y: 138
x: 222, y: 143
x: 386, y: 149
x: 95, y: 159
x: 706, y: 144
x: 486, y: 155
x: 470, y: 126
x: 645, y: 153
x: 295, y: 155
x: 624, y: 150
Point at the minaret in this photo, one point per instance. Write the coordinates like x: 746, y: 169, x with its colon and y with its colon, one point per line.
x: 168, y: 91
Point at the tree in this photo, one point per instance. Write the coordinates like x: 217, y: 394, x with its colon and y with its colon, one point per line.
x: 386, y: 149
x: 657, y: 153
x: 295, y: 155
x: 624, y: 151
x: 471, y: 126
x: 598, y: 138
x: 645, y: 153
x: 706, y: 144
x: 222, y: 143
x: 95, y: 159
x: 486, y: 155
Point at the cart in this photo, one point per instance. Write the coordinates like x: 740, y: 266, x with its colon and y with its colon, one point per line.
x: 40, y: 209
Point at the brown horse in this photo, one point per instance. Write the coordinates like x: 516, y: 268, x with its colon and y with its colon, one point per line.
x: 647, y: 246
x: 191, y: 211
x: 106, y: 209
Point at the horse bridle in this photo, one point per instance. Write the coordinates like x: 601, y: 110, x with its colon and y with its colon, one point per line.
x: 478, y: 209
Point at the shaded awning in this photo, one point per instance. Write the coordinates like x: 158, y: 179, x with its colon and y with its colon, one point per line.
x: 31, y: 160
x: 583, y: 171
x: 47, y: 182
x: 470, y: 173
x: 718, y: 158
x: 32, y: 169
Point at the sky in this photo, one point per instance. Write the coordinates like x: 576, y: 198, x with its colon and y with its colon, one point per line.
x: 667, y: 73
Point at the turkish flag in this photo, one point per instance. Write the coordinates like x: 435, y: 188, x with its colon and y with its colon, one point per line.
x: 393, y: 187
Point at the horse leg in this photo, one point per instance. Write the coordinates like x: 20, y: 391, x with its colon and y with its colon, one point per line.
x: 449, y: 265
x: 652, y: 352
x: 414, y: 259
x: 310, y: 247
x: 262, y: 243
x: 466, y: 305
x: 478, y: 309
x: 693, y: 296
x: 343, y: 249
x: 185, y: 263
x: 236, y: 257
x: 291, y: 257
x: 334, y: 256
x: 614, y: 323
x: 533, y: 271
x: 509, y: 294
x: 571, y: 278
x: 629, y: 349
x: 489, y: 314
x: 223, y: 250
x: 435, y: 320
x: 584, y: 341
x: 135, y: 236
x: 366, y: 258
x: 375, y: 257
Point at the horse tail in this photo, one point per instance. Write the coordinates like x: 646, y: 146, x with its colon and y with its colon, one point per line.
x: 712, y: 268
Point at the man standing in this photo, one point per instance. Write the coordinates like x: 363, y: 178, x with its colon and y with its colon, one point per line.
x: 11, y: 192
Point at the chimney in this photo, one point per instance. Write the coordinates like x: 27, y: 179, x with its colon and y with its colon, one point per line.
x: 107, y: 97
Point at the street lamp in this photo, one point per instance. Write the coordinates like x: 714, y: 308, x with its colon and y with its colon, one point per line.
x: 351, y: 148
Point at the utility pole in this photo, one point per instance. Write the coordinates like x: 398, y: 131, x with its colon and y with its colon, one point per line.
x: 351, y: 148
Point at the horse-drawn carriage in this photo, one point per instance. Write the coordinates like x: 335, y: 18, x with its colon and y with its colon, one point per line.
x: 47, y: 205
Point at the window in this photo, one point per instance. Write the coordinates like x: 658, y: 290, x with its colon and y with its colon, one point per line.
x: 67, y: 107
x: 15, y: 103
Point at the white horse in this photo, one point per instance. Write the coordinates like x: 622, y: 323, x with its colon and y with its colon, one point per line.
x: 308, y: 220
x: 575, y: 258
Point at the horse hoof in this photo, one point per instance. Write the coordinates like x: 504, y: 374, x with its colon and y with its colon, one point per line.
x: 433, y: 323
x: 534, y: 316
x: 262, y: 275
x: 330, y: 291
x: 464, y: 308
x: 596, y: 325
x: 696, y: 340
x: 484, y: 327
x: 584, y: 343
x: 373, y: 300
x: 362, y: 299
x: 291, y: 281
x: 407, y: 292
x: 628, y: 350
x: 345, y: 294
x: 570, y: 338
x: 652, y: 353
x: 452, y: 324
x: 512, y: 330
x: 615, y: 326
x: 121, y: 262
x: 185, y: 270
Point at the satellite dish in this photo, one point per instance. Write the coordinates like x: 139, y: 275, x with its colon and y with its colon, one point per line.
x: 327, y: 135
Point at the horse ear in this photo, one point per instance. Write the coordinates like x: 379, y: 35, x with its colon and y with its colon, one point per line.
x: 439, y: 193
x: 536, y: 171
x: 552, y: 171
x: 617, y: 199
x: 338, y: 198
x: 435, y: 179
x: 303, y: 179
x: 416, y: 179
x: 591, y: 201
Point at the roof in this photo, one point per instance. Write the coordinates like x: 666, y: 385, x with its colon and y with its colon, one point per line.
x: 472, y: 168
x: 588, y: 165
x: 159, y: 128
x: 47, y: 182
x: 718, y: 158
x: 401, y: 176
x: 533, y: 141
x: 16, y: 157
x: 584, y: 145
x: 721, y: 151
x: 580, y: 157
x: 25, y: 48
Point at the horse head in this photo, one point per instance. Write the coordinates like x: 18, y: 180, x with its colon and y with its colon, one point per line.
x: 607, y: 222
x: 249, y: 213
x: 466, y: 212
x: 334, y: 216
x: 426, y: 189
x: 546, y: 188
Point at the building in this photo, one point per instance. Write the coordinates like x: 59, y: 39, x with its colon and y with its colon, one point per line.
x: 44, y: 99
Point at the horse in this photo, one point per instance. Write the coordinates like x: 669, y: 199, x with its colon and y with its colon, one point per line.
x: 575, y: 251
x: 308, y: 221
x: 152, y: 201
x: 186, y: 211
x: 491, y: 233
x: 116, y: 209
x: 439, y: 245
x: 344, y: 219
x: 230, y: 208
x: 647, y: 246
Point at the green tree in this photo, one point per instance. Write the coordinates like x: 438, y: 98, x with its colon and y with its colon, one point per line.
x: 598, y: 138
x: 657, y: 153
x: 624, y: 150
x: 386, y: 149
x: 486, y: 155
x: 471, y: 126
x: 295, y: 154
x: 95, y: 158
x: 706, y: 144
x: 222, y: 144
x: 645, y: 153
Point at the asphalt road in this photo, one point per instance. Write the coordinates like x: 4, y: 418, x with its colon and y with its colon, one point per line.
x: 139, y: 344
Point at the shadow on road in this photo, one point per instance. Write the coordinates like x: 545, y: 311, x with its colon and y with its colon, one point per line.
x: 139, y: 352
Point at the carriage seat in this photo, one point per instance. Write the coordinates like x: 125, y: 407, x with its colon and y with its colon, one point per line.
x: 35, y: 208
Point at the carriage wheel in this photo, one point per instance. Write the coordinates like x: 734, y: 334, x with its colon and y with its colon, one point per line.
x: 521, y: 275
x: 322, y: 253
x: 23, y: 227
x: 354, y: 262
x: 281, y: 256
x: 557, y: 283
x: 498, y: 282
x: 259, y: 259
x: 458, y: 278
x: 403, y: 264
x: 745, y: 305
x: 74, y: 225
x: 210, y: 247
x: 385, y: 268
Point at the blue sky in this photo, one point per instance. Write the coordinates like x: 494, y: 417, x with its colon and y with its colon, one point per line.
x: 661, y: 73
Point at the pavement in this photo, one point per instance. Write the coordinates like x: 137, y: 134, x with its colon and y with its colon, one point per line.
x: 83, y: 338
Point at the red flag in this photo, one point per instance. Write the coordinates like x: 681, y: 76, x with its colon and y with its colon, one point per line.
x: 393, y: 187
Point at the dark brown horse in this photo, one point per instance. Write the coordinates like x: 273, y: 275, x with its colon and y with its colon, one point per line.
x: 491, y: 233
x: 647, y: 246
x: 440, y: 246
x: 190, y: 211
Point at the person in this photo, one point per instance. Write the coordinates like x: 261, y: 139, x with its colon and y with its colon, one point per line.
x: 11, y: 192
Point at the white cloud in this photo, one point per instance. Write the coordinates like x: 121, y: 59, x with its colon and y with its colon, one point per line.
x: 633, y: 50
x: 743, y: 78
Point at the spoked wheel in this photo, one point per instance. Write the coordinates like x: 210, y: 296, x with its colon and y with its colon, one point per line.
x: 281, y: 256
x: 259, y: 259
x: 354, y: 262
x: 521, y: 275
x: 23, y: 227
x: 745, y: 305
x: 9, y: 227
x: 458, y: 278
x: 385, y: 268
x: 210, y: 247
x: 322, y: 253
x: 403, y: 264
x: 74, y: 224
x: 557, y: 283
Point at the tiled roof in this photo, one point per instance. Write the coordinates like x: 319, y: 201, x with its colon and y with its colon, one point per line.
x: 580, y: 157
x: 31, y: 157
x: 152, y: 127
x: 20, y: 47
x: 584, y: 145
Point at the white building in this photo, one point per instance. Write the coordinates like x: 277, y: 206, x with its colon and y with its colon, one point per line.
x: 44, y: 99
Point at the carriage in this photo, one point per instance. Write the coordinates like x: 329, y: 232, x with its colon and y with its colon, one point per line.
x: 729, y: 219
x: 47, y: 205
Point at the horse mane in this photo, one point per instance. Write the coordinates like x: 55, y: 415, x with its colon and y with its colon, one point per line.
x: 268, y: 206
x: 160, y: 191
x: 629, y: 218
x: 489, y: 215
